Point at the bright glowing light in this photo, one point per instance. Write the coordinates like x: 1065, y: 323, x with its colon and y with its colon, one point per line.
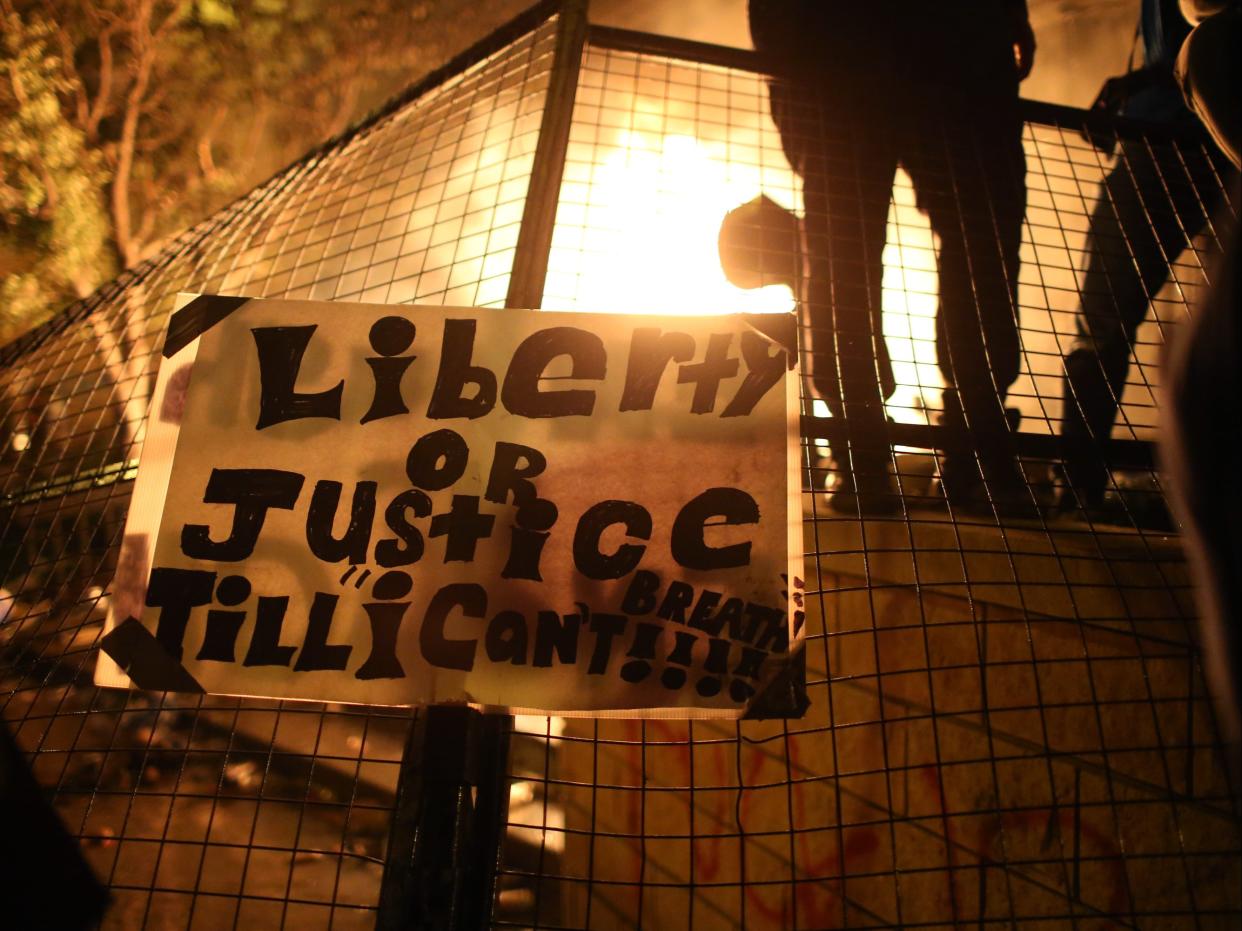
x: 645, y: 239
x: 910, y: 297
x: 637, y: 228
x: 20, y: 442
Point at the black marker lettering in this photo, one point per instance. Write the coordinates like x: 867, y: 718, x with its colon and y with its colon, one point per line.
x: 677, y: 598
x: 703, y: 608
x: 390, y: 336
x: 508, y: 476
x: 253, y: 492
x: 281, y: 349
x: 688, y: 545
x: 552, y: 632
x: 220, y: 637
x: 707, y: 375
x: 606, y: 627
x: 265, y: 647
x: 317, y: 653
x: 385, y: 617
x: 176, y: 592
x: 321, y: 516
x: 437, y: 460
x: 763, y: 370
x: 456, y: 371
x: 527, y: 538
x: 506, y: 638
x: 520, y: 393
x: 773, y: 632
x: 650, y: 353
x: 595, y: 520
x: 640, y: 597
x: 463, y: 527
x: 437, y: 648
x: 390, y: 553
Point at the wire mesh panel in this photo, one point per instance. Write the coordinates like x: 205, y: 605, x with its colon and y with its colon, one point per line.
x: 218, y: 812
x: 1008, y: 720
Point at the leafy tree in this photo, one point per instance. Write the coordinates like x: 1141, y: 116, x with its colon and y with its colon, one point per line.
x: 123, y: 121
x: 51, y: 212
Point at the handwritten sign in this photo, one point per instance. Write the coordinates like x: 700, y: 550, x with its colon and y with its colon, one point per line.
x: 557, y: 512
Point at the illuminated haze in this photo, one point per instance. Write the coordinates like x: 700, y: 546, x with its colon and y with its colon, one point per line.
x: 1081, y: 42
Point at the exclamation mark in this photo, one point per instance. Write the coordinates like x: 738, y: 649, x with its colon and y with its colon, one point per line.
x: 717, y: 663
x: 674, y: 677
x: 642, y: 650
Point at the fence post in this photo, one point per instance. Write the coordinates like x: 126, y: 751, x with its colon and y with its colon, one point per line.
x: 530, y: 257
x: 452, y: 803
x: 449, y: 822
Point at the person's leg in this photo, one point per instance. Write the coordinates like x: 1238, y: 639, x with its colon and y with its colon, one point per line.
x: 847, y: 183
x: 1150, y: 207
x: 795, y: 112
x: 969, y: 171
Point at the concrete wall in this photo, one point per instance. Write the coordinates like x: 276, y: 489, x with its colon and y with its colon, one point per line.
x: 1016, y: 732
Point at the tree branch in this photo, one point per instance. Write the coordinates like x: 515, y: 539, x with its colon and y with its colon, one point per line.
x: 142, y: 66
x: 67, y: 54
x: 103, y: 95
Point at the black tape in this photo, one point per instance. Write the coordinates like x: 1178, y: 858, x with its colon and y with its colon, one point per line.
x: 196, y: 318
x: 145, y: 661
x: 785, y: 697
x: 781, y: 329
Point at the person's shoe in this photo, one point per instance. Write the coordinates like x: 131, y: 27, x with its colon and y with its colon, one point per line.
x: 1085, y: 482
x: 960, y: 481
x: 1071, y: 503
x: 871, y: 492
x: 1008, y: 494
x: 1002, y: 490
x: 1015, y: 504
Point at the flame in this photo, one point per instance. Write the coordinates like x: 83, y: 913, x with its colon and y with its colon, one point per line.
x: 637, y: 230
x: 643, y: 239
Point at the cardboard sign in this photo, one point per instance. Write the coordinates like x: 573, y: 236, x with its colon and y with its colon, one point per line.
x: 532, y: 511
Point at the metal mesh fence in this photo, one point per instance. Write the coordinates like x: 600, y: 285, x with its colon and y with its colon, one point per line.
x: 224, y: 813
x: 1008, y: 719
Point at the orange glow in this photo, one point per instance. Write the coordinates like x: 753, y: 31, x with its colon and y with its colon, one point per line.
x: 910, y: 288
x: 638, y: 234
x: 643, y: 239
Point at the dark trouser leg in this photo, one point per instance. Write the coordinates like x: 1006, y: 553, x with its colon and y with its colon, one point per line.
x: 847, y: 186
x: 1149, y: 210
x: 970, y: 173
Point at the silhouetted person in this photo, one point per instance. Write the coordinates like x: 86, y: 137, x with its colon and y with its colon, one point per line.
x: 1155, y: 200
x: 861, y: 88
x: 759, y: 245
x: 1202, y: 393
x: 1209, y: 70
x: 1200, y: 410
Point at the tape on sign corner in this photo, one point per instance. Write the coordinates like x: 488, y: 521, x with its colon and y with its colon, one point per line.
x: 785, y: 697
x: 145, y: 660
x: 781, y: 329
x: 196, y: 318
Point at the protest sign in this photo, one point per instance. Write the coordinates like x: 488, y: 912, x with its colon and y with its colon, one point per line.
x: 557, y: 512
